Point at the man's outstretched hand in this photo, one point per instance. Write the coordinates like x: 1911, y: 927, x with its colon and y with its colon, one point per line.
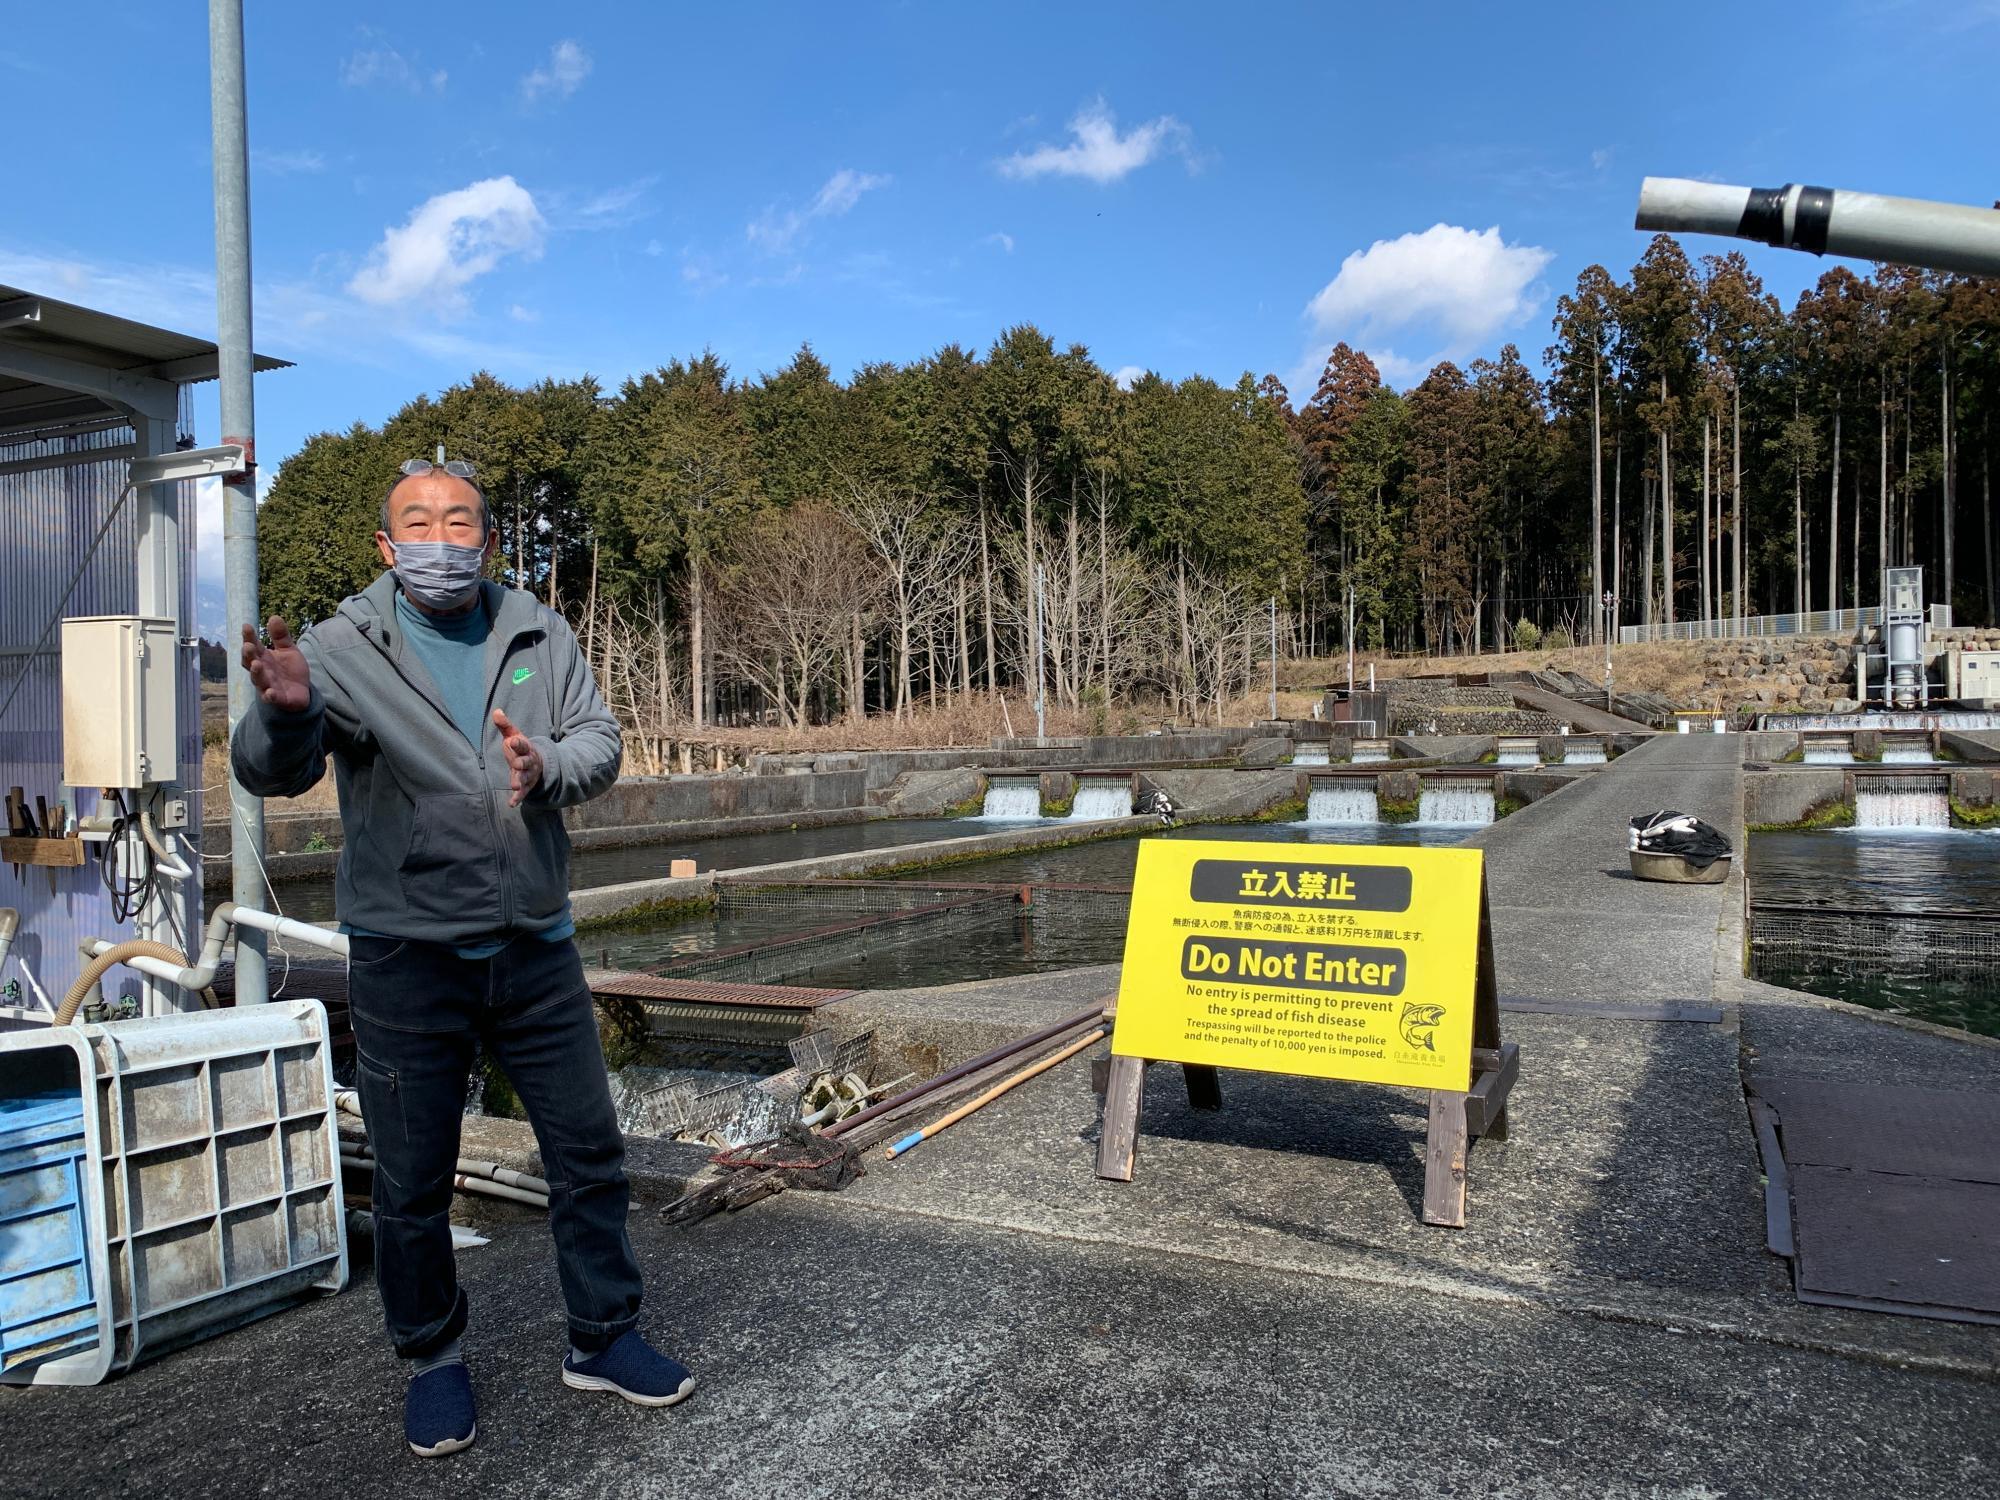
x: 524, y: 761
x: 278, y: 671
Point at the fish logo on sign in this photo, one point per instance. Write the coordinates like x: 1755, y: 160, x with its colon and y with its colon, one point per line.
x: 1419, y: 1023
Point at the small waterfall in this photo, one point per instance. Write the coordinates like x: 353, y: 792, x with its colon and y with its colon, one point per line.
x: 1101, y: 797
x: 1907, y: 753
x: 1517, y: 753
x: 1589, y: 753
x: 1310, y: 755
x: 1829, y: 753
x: 1902, y: 802
x: 1368, y: 752
x: 1459, y: 804
x: 1013, y: 799
x: 1342, y: 801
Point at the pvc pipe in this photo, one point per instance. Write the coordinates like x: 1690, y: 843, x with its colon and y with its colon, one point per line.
x: 10, y: 923
x: 310, y: 933
x: 480, y: 1185
x: 1031, y: 1071
x: 348, y: 1102
x: 103, y: 956
x: 1823, y: 221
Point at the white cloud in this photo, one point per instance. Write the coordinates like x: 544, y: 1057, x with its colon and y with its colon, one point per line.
x: 1003, y: 240
x: 448, y: 241
x: 1466, y: 283
x: 391, y: 69
x: 1601, y: 158
x: 1125, y: 375
x: 611, y: 208
x: 1098, y: 152
x: 561, y: 76
x: 776, y: 230
x: 654, y: 247
x: 285, y: 163
x: 522, y: 314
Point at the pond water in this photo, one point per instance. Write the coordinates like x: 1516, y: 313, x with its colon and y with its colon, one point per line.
x: 1911, y: 924
x: 995, y: 940
x: 312, y: 900
x: 1877, y: 869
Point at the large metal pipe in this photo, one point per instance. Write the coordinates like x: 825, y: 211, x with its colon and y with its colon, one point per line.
x: 1829, y: 221
x: 230, y: 144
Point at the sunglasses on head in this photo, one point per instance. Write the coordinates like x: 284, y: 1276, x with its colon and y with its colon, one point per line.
x: 458, y: 468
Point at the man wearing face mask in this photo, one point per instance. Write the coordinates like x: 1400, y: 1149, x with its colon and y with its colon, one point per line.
x: 461, y: 718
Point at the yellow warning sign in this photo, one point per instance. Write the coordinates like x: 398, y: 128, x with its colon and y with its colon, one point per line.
x: 1331, y: 960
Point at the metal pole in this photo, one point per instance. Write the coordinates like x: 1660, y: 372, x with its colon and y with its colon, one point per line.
x: 1610, y: 628
x: 1041, y: 701
x: 1274, y: 658
x: 1350, y: 641
x: 230, y: 144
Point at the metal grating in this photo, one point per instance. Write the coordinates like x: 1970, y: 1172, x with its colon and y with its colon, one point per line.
x: 1912, y: 945
x: 620, y: 985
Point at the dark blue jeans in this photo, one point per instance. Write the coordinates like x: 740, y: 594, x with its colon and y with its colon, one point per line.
x: 418, y: 1010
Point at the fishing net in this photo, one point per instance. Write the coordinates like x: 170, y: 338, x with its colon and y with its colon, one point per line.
x: 800, y: 1159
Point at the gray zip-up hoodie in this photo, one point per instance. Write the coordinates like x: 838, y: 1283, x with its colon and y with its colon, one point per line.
x: 432, y: 850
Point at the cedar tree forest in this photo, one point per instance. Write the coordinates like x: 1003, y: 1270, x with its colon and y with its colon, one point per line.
x: 794, y: 549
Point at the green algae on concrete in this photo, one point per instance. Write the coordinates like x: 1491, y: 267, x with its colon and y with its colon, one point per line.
x: 1834, y: 814
x: 650, y: 913
x: 1975, y: 814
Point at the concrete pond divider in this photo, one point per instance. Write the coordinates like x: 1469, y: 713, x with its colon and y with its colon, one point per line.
x: 612, y: 902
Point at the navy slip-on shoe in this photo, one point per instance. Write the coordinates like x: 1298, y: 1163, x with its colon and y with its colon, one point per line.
x: 438, y: 1417
x: 634, y: 1369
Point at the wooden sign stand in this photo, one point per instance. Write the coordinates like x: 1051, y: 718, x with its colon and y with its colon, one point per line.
x: 1456, y: 1119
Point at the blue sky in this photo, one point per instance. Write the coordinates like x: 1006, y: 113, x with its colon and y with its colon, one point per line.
x: 553, y: 190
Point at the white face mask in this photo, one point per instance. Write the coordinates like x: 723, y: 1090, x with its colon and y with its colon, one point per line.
x: 439, y: 575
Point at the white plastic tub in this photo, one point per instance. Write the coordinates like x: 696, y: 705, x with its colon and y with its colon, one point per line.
x: 211, y: 1181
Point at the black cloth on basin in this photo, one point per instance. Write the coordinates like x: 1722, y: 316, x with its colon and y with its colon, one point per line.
x: 1669, y: 832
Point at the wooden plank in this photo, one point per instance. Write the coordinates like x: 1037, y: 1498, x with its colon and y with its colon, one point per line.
x: 1118, y: 1141
x: 1486, y: 1105
x: 1204, y: 1086
x: 58, y: 853
x: 1486, y: 984
x: 1444, y: 1161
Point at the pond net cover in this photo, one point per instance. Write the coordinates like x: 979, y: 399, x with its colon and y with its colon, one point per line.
x: 1921, y: 945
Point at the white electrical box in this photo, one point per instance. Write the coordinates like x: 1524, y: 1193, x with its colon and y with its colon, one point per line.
x: 119, y: 701
x: 1974, y: 676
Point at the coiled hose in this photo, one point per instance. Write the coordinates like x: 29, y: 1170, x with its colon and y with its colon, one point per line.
x: 72, y: 1000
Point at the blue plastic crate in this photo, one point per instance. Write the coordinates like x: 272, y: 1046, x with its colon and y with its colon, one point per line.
x: 48, y: 1306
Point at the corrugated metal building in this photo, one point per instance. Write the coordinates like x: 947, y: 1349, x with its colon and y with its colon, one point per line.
x: 81, y: 395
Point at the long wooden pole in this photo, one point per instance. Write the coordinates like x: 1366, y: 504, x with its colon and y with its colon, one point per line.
x: 970, y: 1107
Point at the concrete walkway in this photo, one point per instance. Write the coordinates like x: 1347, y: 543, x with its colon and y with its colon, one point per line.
x: 1570, y: 921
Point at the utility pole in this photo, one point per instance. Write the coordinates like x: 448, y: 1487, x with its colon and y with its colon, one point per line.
x: 229, y: 144
x: 1274, y: 657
